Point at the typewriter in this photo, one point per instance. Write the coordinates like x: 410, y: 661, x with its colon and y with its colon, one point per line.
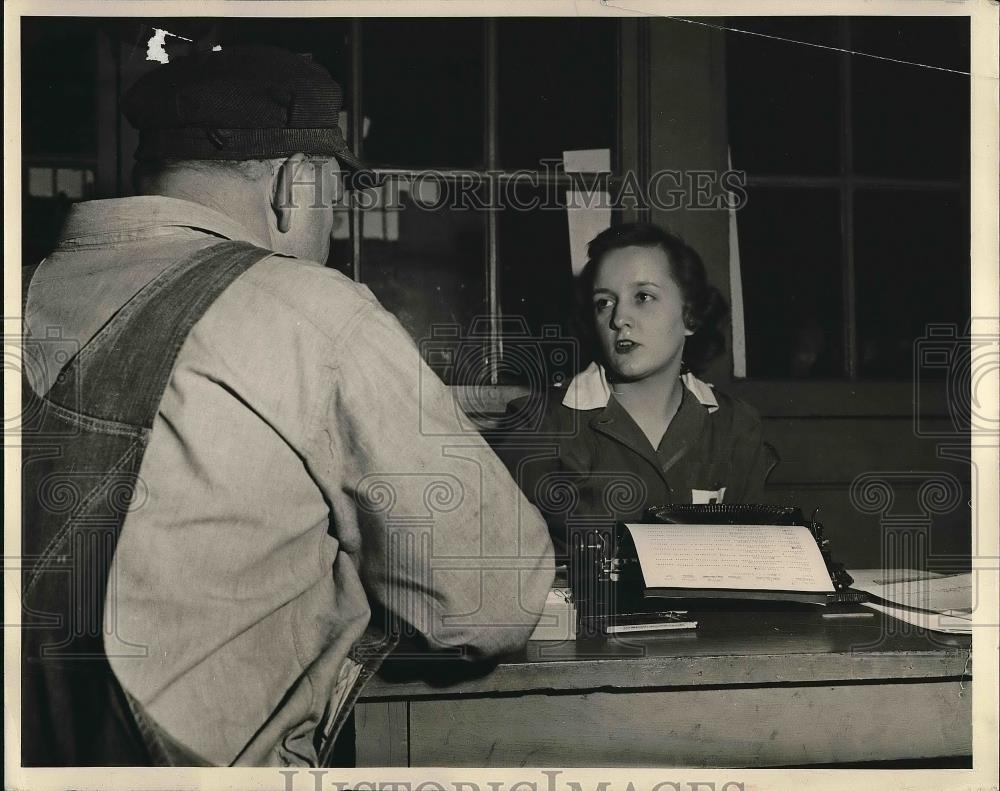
x: 607, y: 581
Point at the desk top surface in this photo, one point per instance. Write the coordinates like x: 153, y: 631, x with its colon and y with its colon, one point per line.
x: 747, y: 648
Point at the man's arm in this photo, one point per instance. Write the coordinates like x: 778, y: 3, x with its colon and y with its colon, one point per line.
x: 529, y: 447
x: 442, y: 535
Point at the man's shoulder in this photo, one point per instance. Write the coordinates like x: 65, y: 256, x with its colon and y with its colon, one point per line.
x: 305, y: 281
x: 318, y: 294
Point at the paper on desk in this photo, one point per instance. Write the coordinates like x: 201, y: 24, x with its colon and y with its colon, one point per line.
x: 558, y: 621
x: 559, y: 596
x: 950, y: 594
x: 740, y: 557
x: 937, y: 622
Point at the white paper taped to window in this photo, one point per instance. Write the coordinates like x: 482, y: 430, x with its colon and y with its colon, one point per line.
x: 587, y: 212
x: 587, y: 160
x: 736, y: 294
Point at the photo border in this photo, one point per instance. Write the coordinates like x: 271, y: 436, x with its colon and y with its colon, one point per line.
x: 985, y: 302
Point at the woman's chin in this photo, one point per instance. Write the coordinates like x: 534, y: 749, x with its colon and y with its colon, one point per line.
x: 630, y: 371
x: 626, y: 373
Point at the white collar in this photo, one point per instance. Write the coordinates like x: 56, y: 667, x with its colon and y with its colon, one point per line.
x: 589, y: 389
x: 98, y: 221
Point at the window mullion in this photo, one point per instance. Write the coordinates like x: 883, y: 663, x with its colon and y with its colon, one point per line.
x: 492, y: 163
x: 644, y: 80
x: 356, y: 131
x: 847, y: 203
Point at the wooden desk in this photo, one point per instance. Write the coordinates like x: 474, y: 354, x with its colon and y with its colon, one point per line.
x: 745, y: 690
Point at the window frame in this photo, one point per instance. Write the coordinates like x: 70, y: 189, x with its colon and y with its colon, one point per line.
x: 847, y: 182
x: 498, y: 394
x: 639, y: 40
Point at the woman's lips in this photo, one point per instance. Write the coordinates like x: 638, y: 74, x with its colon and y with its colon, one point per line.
x: 625, y: 346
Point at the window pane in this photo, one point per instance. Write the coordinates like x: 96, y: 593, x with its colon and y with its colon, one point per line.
x: 423, y: 93
x: 41, y: 221
x: 326, y: 40
x: 790, y: 252
x: 910, y: 120
x: 341, y: 256
x: 40, y: 183
x: 784, y: 104
x: 537, y: 292
x: 59, y: 76
x: 58, y: 125
x: 557, y: 88
x: 912, y: 270
x: 426, y: 263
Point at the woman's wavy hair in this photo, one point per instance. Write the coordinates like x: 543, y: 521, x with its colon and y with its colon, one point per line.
x: 704, y: 307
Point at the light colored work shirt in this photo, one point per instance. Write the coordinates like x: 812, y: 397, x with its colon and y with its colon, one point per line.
x: 304, y: 464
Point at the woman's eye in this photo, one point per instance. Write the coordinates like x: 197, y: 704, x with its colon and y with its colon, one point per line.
x: 601, y: 304
x: 644, y: 296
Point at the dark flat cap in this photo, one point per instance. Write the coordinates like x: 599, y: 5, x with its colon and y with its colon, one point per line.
x: 238, y: 103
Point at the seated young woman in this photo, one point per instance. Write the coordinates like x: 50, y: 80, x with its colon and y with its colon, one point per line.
x: 636, y: 428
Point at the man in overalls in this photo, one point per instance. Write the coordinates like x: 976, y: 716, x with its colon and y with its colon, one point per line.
x: 242, y: 485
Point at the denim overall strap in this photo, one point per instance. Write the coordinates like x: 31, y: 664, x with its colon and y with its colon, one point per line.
x: 121, y: 374
x: 82, y: 447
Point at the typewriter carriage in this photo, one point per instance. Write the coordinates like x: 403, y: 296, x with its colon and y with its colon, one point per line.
x: 606, y: 578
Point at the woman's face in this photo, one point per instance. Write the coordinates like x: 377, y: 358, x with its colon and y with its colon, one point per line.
x: 639, y: 313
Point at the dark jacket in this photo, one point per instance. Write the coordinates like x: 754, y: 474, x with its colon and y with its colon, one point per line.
x: 590, y: 467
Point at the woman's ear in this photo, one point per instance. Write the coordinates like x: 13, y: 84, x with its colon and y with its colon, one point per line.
x: 690, y: 325
x: 282, y: 201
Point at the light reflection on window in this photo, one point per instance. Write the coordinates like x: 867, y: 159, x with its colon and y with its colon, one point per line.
x: 53, y: 182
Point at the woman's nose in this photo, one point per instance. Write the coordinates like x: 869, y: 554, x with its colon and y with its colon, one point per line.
x: 621, y: 318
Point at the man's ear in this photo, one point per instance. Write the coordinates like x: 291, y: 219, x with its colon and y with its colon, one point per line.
x: 281, y: 197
